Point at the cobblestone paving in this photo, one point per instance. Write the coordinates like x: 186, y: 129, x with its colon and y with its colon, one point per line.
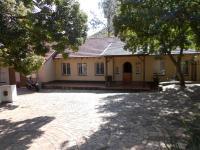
x: 88, y: 120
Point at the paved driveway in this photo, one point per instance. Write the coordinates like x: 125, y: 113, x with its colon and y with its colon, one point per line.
x: 89, y: 120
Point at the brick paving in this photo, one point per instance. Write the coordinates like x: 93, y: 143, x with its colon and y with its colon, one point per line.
x: 89, y: 120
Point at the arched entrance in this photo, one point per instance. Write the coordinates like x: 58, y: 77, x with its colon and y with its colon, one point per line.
x: 127, y: 72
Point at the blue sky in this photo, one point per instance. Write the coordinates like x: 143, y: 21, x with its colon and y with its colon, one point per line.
x: 91, y: 8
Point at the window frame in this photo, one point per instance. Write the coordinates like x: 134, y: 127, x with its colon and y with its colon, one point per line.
x: 162, y: 68
x: 116, y: 70
x: 101, y: 69
x: 82, y: 68
x: 185, y: 63
x: 138, y: 68
x: 67, y: 69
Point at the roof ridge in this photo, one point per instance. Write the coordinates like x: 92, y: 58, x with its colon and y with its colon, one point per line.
x: 109, y: 45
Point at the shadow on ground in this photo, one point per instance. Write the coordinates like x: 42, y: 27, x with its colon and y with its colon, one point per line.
x: 24, y: 91
x: 18, y: 135
x: 7, y: 106
x: 143, y: 120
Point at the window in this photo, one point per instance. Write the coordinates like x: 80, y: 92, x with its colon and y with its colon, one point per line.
x: 138, y: 68
x: 82, y: 69
x: 184, y: 67
x: 116, y: 70
x: 159, y: 67
x: 162, y: 67
x: 66, y: 70
x: 99, y: 68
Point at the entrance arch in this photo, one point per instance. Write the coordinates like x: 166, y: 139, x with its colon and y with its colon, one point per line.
x: 127, y: 72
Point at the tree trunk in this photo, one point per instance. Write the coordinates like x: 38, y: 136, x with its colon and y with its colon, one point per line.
x: 109, y: 31
x: 178, y: 68
x: 109, y: 25
x: 180, y: 75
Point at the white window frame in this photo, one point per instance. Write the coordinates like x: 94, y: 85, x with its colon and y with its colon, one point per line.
x: 138, y: 68
x: 162, y: 69
x: 82, y: 69
x: 184, y: 65
x: 116, y: 70
x: 99, y: 68
x: 67, y: 67
x: 159, y: 67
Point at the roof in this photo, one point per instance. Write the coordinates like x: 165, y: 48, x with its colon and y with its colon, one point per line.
x: 93, y: 47
x: 116, y: 48
x: 96, y: 47
x: 189, y: 51
x: 49, y: 54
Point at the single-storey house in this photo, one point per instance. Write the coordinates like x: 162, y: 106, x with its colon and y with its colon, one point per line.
x: 8, y: 75
x: 101, y: 59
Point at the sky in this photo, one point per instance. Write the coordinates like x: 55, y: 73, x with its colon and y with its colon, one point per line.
x: 91, y: 8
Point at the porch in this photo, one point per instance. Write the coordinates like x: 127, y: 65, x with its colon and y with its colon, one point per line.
x: 83, y: 85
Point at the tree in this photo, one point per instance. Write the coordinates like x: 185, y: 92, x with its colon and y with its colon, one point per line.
x: 160, y: 26
x: 28, y: 28
x: 109, y: 9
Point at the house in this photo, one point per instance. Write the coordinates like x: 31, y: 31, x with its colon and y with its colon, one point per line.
x: 100, y: 59
x: 8, y: 76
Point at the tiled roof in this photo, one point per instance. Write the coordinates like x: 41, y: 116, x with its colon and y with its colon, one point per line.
x: 95, y: 47
x: 116, y: 48
x: 49, y: 54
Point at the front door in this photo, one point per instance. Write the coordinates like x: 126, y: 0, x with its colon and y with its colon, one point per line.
x: 127, y: 72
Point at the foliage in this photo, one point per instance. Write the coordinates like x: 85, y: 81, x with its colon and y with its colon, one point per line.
x: 28, y: 28
x: 109, y: 9
x: 32, y: 62
x: 101, y: 34
x: 159, y: 26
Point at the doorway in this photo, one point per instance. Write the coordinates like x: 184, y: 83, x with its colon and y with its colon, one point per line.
x: 127, y: 72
